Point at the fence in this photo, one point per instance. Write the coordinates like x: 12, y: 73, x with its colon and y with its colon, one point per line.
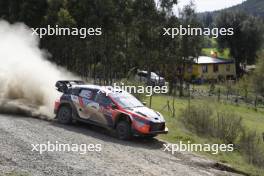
x: 220, y: 93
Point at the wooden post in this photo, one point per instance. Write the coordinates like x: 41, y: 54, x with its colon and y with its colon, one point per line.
x: 219, y: 94
x: 256, y: 103
x: 150, y: 101
x: 189, y: 98
x: 173, y: 103
x: 237, y: 94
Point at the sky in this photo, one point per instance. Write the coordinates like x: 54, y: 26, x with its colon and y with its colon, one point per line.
x: 209, y: 5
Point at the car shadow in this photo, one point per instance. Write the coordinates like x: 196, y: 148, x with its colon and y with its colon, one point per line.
x: 109, y: 135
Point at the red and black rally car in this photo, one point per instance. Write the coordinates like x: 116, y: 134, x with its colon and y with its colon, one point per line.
x: 107, y: 107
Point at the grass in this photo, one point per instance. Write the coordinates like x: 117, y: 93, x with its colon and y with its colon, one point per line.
x: 225, y: 54
x: 252, y: 119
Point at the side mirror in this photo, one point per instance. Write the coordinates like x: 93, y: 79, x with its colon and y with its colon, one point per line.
x: 144, y: 103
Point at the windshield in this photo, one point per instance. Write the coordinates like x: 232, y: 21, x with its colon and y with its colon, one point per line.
x: 126, y: 100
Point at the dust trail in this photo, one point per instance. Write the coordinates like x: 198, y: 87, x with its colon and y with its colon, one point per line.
x: 27, y: 79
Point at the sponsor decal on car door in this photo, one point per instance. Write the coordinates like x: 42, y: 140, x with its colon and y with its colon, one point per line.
x: 86, y: 107
x: 104, y: 115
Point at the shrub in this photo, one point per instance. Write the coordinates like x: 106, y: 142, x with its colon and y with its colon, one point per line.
x: 224, y: 126
x: 227, y: 127
x: 198, y: 119
x: 252, y: 146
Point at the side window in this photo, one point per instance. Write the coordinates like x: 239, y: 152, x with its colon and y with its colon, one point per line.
x: 75, y: 92
x: 216, y: 68
x: 228, y: 68
x: 85, y: 93
x: 102, y: 99
x: 142, y: 74
x: 205, y: 68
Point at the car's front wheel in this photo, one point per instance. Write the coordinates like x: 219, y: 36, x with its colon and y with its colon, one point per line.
x: 123, y: 129
x: 65, y: 115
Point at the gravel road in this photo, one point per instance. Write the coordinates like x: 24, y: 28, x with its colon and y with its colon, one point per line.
x: 136, y: 157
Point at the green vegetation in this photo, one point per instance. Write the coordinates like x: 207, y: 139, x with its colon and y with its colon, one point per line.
x: 132, y: 35
x: 246, y: 40
x: 225, y: 53
x: 132, y: 38
x: 251, y: 119
x: 258, y: 76
x: 253, y: 7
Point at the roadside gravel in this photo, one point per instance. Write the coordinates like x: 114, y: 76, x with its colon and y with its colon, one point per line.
x: 136, y: 157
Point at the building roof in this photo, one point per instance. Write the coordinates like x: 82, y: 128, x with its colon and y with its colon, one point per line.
x: 212, y: 60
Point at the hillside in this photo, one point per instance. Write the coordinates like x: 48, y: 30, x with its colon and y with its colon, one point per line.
x: 253, y: 7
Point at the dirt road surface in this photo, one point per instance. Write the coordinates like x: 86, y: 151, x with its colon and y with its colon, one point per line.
x: 136, y: 157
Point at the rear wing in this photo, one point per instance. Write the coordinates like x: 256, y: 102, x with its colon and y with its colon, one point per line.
x: 63, y: 86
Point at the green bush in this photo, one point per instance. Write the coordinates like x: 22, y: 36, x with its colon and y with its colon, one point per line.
x: 198, y: 119
x: 201, y: 120
x: 253, y: 147
x: 227, y: 127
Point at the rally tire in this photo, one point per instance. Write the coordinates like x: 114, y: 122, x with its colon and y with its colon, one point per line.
x: 65, y: 115
x: 123, y: 130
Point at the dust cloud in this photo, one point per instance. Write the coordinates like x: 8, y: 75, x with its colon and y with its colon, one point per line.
x: 27, y: 78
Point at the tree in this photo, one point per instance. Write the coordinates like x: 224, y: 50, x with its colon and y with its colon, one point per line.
x: 131, y: 35
x: 167, y: 5
x: 145, y: 12
x: 169, y: 54
x: 247, y: 38
x: 208, y: 20
x: 31, y: 12
x: 190, y: 46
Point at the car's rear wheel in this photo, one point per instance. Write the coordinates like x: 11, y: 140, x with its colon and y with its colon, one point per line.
x: 123, y: 129
x: 65, y: 115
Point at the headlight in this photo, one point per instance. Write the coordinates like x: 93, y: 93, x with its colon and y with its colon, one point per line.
x: 139, y: 120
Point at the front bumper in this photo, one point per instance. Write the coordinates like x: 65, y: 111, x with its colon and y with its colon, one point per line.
x: 165, y: 131
x: 152, y: 133
x: 150, y: 128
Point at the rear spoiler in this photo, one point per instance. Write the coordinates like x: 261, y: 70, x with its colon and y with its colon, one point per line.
x: 63, y: 86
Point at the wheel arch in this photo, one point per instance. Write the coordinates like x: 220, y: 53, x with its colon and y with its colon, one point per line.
x: 70, y: 105
x: 122, y: 117
x: 65, y: 104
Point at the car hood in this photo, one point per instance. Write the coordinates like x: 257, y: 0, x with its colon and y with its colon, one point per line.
x: 148, y: 113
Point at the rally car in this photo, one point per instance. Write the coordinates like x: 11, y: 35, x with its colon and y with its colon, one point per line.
x: 107, y: 107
